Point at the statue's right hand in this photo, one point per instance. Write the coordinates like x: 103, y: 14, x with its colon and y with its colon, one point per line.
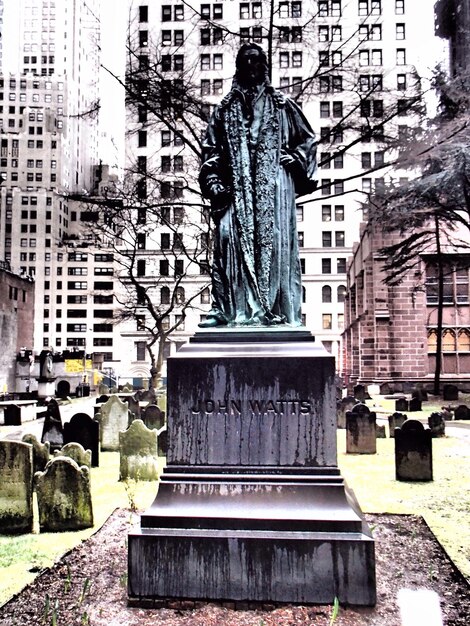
x: 220, y: 199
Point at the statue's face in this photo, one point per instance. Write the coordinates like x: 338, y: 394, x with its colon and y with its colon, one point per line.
x: 251, y: 69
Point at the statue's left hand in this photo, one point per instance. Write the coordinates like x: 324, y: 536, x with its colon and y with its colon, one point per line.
x: 286, y: 160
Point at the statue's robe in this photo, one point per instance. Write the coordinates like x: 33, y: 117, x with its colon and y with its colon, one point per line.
x: 256, y: 277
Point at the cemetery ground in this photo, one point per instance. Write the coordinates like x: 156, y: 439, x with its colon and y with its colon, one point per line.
x: 79, y: 578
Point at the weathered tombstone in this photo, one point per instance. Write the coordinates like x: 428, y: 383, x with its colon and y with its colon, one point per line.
x: 380, y: 432
x: 346, y: 405
x: 450, y: 392
x: 413, y: 452
x: 53, y: 431
x: 113, y: 418
x: 103, y: 389
x: 419, y: 393
x: 134, y: 406
x: 63, y: 389
x: 360, y: 393
x: 162, y: 441
x: 395, y: 421
x: 146, y: 395
x: 103, y: 398
x: 437, y: 424
x: 447, y: 413
x: 385, y: 389
x: 64, y: 496
x: 12, y: 415
x: 138, y: 449
x: 128, y: 388
x: 153, y: 417
x: 86, y: 431
x: 360, y: 430
x: 76, y: 452
x: 16, y: 487
x: 462, y: 412
x: 401, y: 404
x: 40, y: 452
x: 415, y: 405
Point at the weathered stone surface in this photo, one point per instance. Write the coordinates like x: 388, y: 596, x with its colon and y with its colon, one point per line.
x: 138, y: 448
x: 53, y: 431
x: 63, y: 389
x: 420, y: 394
x: 64, y: 497
x: 40, y: 452
x: 401, y: 404
x: 437, y: 424
x: 395, y: 421
x: 450, y: 392
x: 86, y: 431
x: 413, y: 452
x: 127, y: 388
x: 380, y: 432
x: 360, y: 393
x: 345, y: 405
x: 16, y: 487
x: 103, y: 389
x: 462, y: 412
x: 113, y: 418
x: 134, y: 406
x: 153, y: 416
x: 12, y: 415
x: 415, y: 405
x: 76, y: 452
x: 162, y: 441
x: 360, y: 431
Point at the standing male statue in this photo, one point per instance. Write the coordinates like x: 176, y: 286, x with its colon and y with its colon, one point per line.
x: 258, y: 156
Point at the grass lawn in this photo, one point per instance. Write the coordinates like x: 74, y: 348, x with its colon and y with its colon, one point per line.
x: 444, y: 503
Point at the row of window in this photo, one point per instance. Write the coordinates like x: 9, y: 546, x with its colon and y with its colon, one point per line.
x: 46, y: 97
x: 30, y: 177
x: 327, y: 321
x: 36, y: 84
x: 374, y: 7
x: 82, y: 285
x: 98, y: 298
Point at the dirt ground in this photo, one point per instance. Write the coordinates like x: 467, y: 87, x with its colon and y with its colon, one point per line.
x: 87, y: 587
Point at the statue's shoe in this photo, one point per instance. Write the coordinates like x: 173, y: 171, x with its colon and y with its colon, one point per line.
x: 212, y: 322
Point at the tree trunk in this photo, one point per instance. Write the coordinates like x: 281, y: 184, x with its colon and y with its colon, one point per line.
x: 440, y: 310
x: 270, y: 37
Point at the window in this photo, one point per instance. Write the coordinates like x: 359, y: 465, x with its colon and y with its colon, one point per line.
x: 401, y: 56
x: 399, y: 7
x: 399, y: 31
x: 341, y: 266
x: 339, y: 239
x: 164, y: 267
x: 142, y: 138
x: 326, y: 266
x: 326, y: 239
x: 341, y: 293
x: 339, y: 213
x: 326, y: 294
x: 401, y: 82
x: 326, y: 213
x: 327, y: 321
x: 179, y: 267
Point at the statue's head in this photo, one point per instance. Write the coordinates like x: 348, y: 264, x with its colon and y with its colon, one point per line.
x: 252, y: 65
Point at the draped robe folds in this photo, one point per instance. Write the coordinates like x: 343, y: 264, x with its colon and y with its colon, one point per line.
x: 256, y: 276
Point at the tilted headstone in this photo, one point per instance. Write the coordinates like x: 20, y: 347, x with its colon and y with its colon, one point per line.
x: 12, y: 415
x: 63, y: 389
x: 380, y: 432
x: 53, y: 431
x: 113, y: 418
x: 76, y: 452
x: 16, y: 487
x: 450, y: 392
x: 395, y: 421
x: 413, y: 452
x: 360, y: 431
x: 346, y: 405
x: 138, y: 448
x: 437, y: 424
x: 415, y: 405
x: 401, y: 404
x: 86, y: 431
x: 64, y: 496
x: 40, y: 452
x: 462, y: 412
x: 360, y: 393
x: 153, y: 417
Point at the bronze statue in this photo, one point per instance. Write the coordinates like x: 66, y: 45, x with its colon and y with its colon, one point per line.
x: 258, y: 156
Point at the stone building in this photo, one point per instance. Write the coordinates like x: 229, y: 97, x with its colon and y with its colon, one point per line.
x: 453, y: 23
x: 16, y: 321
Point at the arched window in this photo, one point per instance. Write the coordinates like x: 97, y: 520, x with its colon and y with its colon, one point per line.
x: 448, y: 341
x: 341, y: 293
x: 179, y: 295
x: 326, y: 293
x: 165, y: 295
x: 432, y: 340
x: 304, y: 294
x: 463, y: 340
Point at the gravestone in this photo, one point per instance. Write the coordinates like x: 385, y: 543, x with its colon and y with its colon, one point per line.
x: 127, y: 388
x: 462, y: 412
x: 102, y: 398
x: 153, y: 417
x: 415, y: 405
x: 360, y: 393
x: 76, y: 452
x: 385, y: 389
x: 64, y: 497
x: 138, y: 449
x: 113, y: 418
x: 146, y: 395
x: 63, y: 389
x: 450, y: 392
x: 437, y: 424
x: 103, y: 389
x: 16, y: 487
x: 380, y: 432
x: 395, y: 421
x: 52, y: 430
x: 420, y: 393
x: 162, y: 441
x: 346, y: 405
x: 86, y: 431
x: 40, y: 452
x: 360, y: 430
x: 134, y: 406
x: 12, y: 415
x: 401, y: 404
x: 447, y: 413
x: 413, y: 452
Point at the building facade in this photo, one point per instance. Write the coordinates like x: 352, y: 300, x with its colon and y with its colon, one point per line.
x: 453, y: 24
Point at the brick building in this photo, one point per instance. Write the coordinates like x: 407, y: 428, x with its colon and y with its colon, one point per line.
x: 16, y: 321
x: 391, y: 331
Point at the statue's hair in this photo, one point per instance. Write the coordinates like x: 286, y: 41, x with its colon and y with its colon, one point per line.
x: 251, y: 46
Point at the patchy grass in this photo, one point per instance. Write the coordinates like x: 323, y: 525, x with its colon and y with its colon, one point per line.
x: 444, y: 503
x: 22, y: 556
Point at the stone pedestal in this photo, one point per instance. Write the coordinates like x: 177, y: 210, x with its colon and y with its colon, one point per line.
x: 46, y: 388
x: 251, y: 505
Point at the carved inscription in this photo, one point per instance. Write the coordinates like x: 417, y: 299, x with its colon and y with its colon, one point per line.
x: 251, y: 407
